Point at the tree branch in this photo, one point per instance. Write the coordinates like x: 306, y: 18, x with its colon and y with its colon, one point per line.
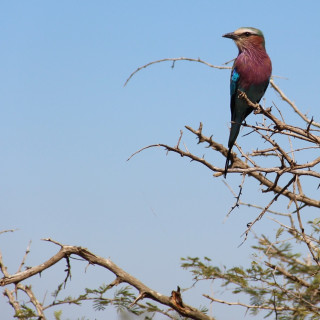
x: 67, y: 250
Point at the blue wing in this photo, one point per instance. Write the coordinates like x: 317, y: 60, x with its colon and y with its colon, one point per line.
x: 235, y: 76
x: 234, y: 85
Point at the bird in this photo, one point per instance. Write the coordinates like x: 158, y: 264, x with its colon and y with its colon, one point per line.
x: 251, y: 72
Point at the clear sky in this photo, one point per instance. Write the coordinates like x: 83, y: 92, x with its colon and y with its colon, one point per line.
x: 67, y: 126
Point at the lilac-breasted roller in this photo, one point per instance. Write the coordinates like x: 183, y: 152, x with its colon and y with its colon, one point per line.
x: 250, y: 73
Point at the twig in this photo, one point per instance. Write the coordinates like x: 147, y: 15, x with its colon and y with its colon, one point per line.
x: 174, y: 60
x: 262, y: 307
x: 141, y: 296
x: 9, y: 230
x: 238, y: 202
x: 25, y: 257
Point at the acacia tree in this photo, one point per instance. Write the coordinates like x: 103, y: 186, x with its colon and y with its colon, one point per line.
x: 282, y: 282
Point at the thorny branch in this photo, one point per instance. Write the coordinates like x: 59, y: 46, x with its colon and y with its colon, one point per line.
x: 287, y: 168
x: 240, y: 166
x: 268, y: 176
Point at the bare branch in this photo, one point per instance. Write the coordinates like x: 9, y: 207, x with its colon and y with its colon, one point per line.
x: 174, y: 60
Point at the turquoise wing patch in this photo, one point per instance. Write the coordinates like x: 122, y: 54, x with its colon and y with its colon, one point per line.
x: 234, y: 81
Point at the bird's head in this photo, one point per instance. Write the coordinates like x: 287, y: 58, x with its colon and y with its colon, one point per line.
x: 246, y: 38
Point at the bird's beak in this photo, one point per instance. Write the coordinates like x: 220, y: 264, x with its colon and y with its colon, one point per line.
x: 230, y: 35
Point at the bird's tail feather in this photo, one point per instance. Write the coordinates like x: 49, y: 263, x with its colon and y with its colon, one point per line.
x: 227, y: 163
x: 234, y: 132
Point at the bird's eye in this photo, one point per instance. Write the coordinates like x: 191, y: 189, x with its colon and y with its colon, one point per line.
x: 247, y: 34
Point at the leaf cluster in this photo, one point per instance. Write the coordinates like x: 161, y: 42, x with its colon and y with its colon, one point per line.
x: 279, y: 281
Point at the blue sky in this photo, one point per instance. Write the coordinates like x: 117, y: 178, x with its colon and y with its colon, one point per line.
x: 67, y: 126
